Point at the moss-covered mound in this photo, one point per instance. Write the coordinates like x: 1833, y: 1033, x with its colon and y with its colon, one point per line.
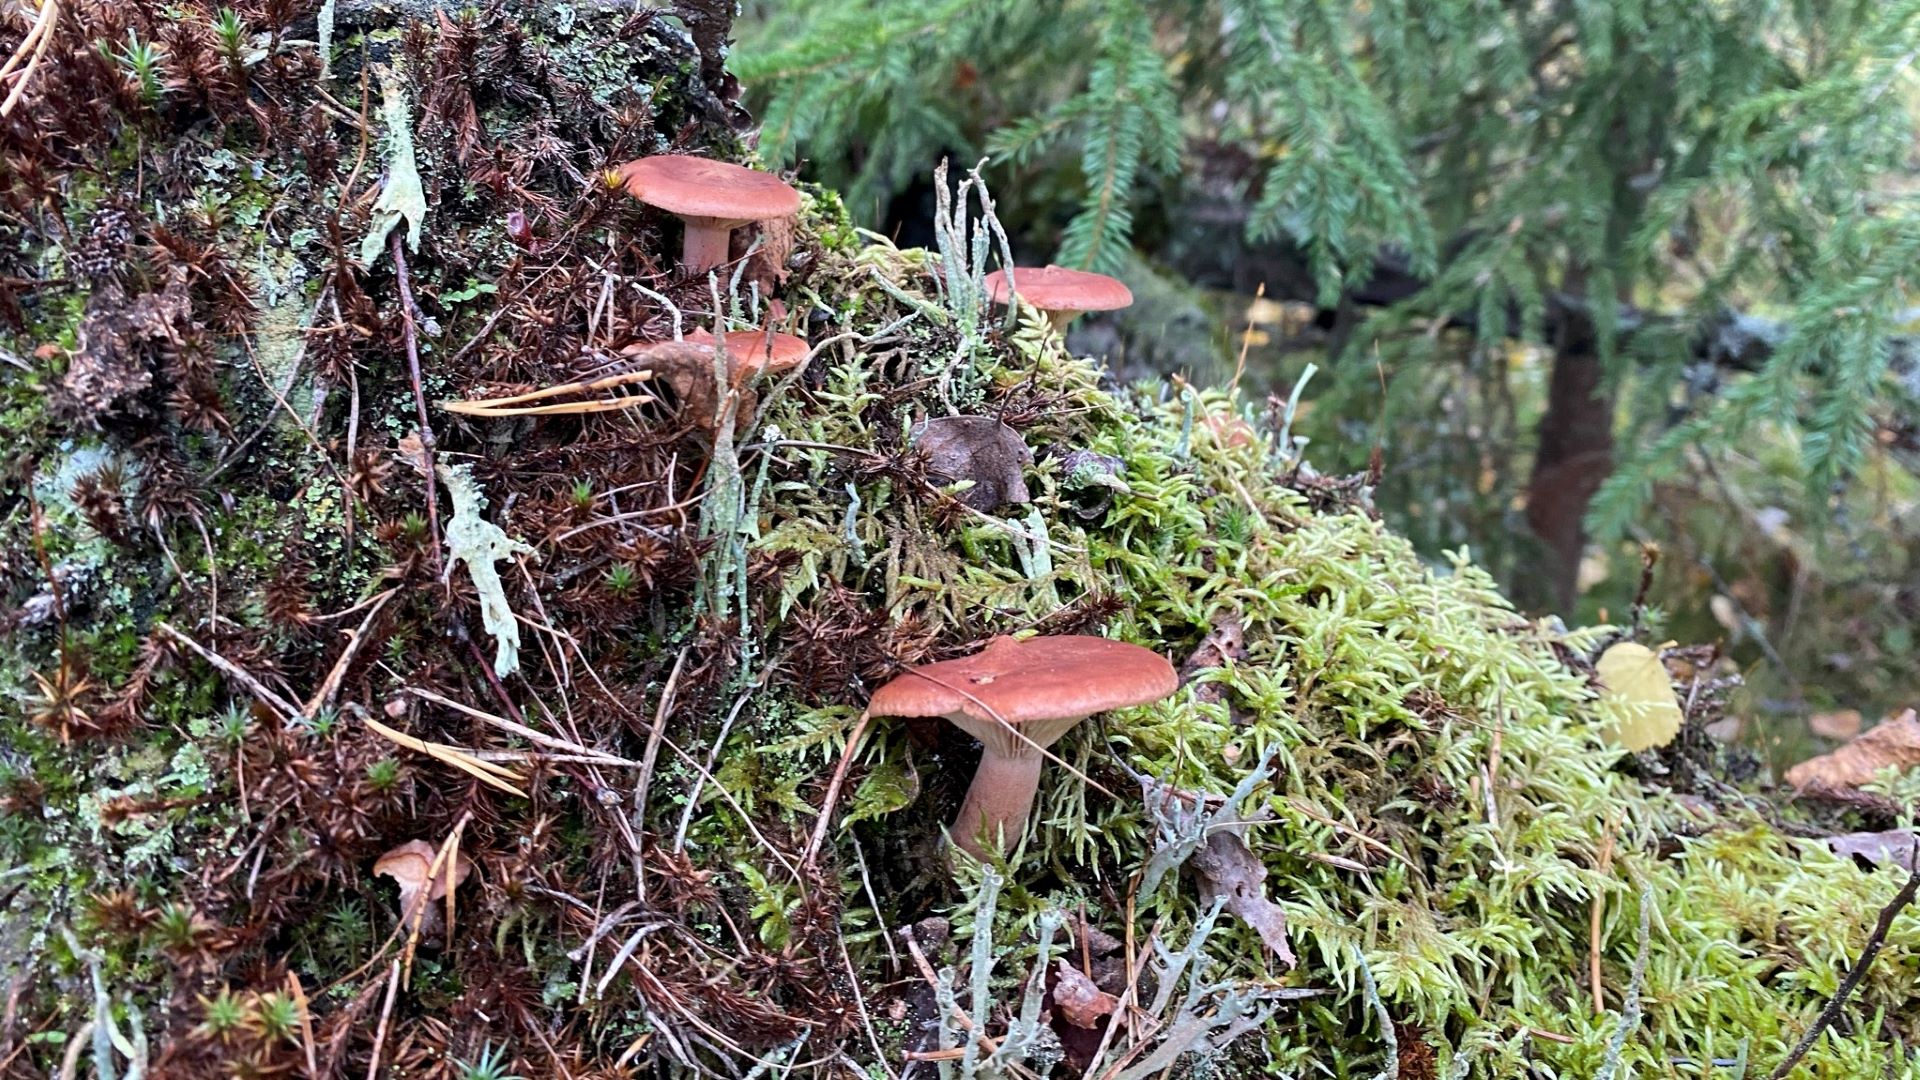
x: 258, y: 585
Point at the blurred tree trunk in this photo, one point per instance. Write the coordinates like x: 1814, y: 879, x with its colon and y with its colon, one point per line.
x: 1573, y: 458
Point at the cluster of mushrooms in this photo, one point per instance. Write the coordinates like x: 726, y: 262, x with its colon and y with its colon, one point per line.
x: 712, y: 199
x: 1017, y: 697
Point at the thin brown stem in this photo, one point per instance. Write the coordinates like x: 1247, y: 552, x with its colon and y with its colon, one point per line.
x: 407, y: 308
x: 1875, y: 942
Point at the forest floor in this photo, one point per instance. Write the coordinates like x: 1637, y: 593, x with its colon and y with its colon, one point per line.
x: 275, y: 613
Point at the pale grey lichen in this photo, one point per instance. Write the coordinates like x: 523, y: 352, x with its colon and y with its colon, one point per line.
x: 403, y: 197
x: 479, y: 543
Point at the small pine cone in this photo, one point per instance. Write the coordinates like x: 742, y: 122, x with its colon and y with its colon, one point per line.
x: 103, y: 247
x: 97, y: 494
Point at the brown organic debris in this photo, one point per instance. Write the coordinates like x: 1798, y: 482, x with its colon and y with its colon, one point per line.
x: 1226, y: 868
x: 1893, y: 744
x: 981, y: 451
x: 1081, y: 1003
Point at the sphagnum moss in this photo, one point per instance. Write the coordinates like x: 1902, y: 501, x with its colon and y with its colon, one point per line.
x: 1440, y: 818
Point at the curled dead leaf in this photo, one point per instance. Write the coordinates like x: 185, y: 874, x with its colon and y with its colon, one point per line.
x: 1894, y: 744
x: 1081, y: 1003
x: 980, y: 449
x: 1897, y: 848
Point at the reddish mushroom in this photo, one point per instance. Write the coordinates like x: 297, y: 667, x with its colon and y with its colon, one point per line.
x: 770, y: 353
x: 1062, y: 293
x: 713, y: 198
x: 687, y: 367
x: 1017, y: 698
x: 408, y: 865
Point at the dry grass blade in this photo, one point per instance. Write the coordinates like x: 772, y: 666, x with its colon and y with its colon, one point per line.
x: 486, y: 772
x: 330, y: 686
x: 551, y: 742
x: 517, y: 404
x: 299, y: 995
x: 37, y: 40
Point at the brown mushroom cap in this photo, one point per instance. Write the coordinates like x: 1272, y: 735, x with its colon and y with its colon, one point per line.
x: 1040, y: 688
x: 756, y: 348
x: 703, y: 188
x: 687, y: 367
x: 1043, y: 686
x: 408, y: 864
x: 1058, y: 289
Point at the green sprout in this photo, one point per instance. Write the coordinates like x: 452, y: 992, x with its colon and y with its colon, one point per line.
x: 142, y: 61
x: 234, y: 724
x: 276, y: 1017
x: 176, y: 928
x: 222, y: 1015
x: 414, y: 525
x: 583, y: 495
x: 382, y: 775
x: 490, y: 1065
x: 231, y: 32
x: 621, y: 579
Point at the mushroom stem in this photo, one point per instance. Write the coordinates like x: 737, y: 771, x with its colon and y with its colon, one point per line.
x: 996, y: 807
x: 1061, y: 320
x: 708, y: 243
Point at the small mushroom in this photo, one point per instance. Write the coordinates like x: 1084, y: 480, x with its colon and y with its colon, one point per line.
x: 1017, y: 698
x: 407, y: 865
x: 1061, y: 293
x: 713, y: 198
x: 686, y: 366
x: 771, y: 354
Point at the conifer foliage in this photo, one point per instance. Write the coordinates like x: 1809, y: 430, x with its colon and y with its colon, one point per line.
x: 1611, y: 178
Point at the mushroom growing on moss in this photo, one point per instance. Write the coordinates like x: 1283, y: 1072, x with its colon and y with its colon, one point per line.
x: 408, y: 866
x: 769, y: 353
x: 712, y: 198
x: 1061, y: 293
x: 1018, y: 698
x: 686, y: 367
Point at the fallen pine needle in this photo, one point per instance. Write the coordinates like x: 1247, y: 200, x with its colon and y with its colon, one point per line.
x: 516, y: 404
x: 484, y: 771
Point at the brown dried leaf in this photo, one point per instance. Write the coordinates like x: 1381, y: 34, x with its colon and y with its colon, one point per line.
x: 1226, y: 867
x: 1895, y: 743
x: 412, y: 452
x: 980, y: 449
x: 1081, y: 1003
x: 1843, y: 724
x: 1895, y: 847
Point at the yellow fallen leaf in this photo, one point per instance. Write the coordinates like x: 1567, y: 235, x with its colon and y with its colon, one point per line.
x: 1635, y: 689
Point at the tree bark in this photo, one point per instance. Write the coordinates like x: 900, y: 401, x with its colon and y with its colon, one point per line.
x: 1574, y: 456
